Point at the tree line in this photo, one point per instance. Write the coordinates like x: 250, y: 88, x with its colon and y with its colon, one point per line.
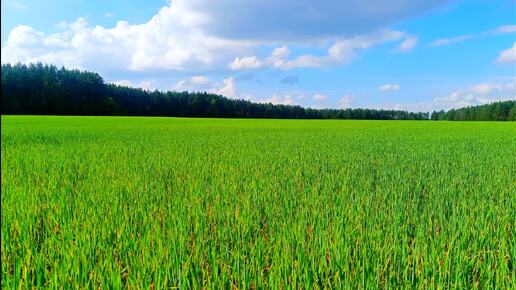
x: 498, y: 111
x: 38, y: 89
x: 48, y: 90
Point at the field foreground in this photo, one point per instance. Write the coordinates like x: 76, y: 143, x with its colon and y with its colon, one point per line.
x: 220, y: 203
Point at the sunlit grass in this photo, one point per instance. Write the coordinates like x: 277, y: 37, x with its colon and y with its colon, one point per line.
x: 213, y: 203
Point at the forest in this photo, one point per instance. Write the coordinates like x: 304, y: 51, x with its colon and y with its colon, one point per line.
x: 39, y: 89
x: 498, y: 111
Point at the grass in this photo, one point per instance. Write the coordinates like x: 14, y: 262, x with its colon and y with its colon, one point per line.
x: 248, y: 204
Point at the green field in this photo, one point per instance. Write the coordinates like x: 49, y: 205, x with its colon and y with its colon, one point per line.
x: 249, y: 204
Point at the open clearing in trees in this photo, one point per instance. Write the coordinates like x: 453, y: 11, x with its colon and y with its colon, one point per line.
x: 220, y: 203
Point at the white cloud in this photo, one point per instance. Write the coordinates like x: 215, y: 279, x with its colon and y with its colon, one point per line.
x: 341, y: 52
x: 228, y: 88
x: 194, y: 83
x: 344, y: 50
x: 473, y: 95
x: 124, y: 83
x: 148, y: 85
x: 25, y: 36
x: 250, y: 62
x: 109, y: 14
x: 460, y: 38
x: 199, y: 80
x: 306, y: 61
x: 320, y: 97
x: 477, y: 95
x: 483, y: 89
x: 408, y: 44
x: 451, y: 40
x: 506, y: 29
x: 411, y: 107
x: 181, y: 85
x: 170, y: 40
x: 346, y: 101
x: 278, y: 56
x: 199, y: 35
x: 278, y: 100
x: 508, y: 55
x: 389, y: 87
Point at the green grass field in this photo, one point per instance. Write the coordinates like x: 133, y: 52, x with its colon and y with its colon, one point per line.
x: 249, y: 204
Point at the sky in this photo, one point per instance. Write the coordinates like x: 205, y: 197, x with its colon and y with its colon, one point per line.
x: 416, y: 55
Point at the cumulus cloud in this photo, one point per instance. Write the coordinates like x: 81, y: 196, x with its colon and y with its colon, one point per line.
x: 477, y: 95
x: 168, y: 41
x: 199, y: 80
x: 341, y: 52
x: 279, y: 59
x: 389, y: 87
x: 346, y: 101
x: 411, y: 107
x: 148, y: 85
x: 124, y: 83
x: 344, y: 50
x: 483, y: 89
x: 202, y: 34
x: 228, y: 88
x: 278, y: 100
x: 320, y: 97
x: 278, y: 56
x: 250, y: 62
x: 193, y: 83
x: 508, y: 55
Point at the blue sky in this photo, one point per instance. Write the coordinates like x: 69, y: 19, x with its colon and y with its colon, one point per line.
x: 417, y: 55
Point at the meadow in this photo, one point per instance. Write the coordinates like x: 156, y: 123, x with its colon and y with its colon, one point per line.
x: 122, y: 202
